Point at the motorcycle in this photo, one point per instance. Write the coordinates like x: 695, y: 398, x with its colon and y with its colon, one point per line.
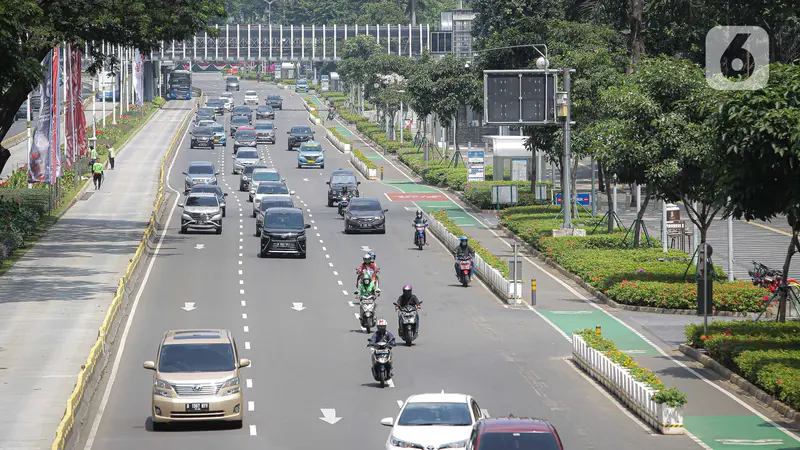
x: 464, y: 269
x: 344, y: 200
x: 367, y: 310
x: 408, y: 323
x: 382, y: 370
x: 419, y: 236
x: 372, y: 275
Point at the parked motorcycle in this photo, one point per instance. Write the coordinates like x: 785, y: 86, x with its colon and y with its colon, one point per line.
x: 367, y: 310
x: 382, y: 370
x: 419, y: 235
x: 408, y: 323
x: 344, y: 200
x: 464, y: 269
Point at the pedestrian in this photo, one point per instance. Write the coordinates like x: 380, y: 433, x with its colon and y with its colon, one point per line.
x: 97, y: 174
x: 93, y: 156
x: 112, y: 153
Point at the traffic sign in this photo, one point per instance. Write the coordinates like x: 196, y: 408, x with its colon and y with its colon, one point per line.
x: 519, y: 97
x: 581, y: 199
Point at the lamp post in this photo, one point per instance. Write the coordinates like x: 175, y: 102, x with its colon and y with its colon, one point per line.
x: 563, y: 104
x: 269, y: 9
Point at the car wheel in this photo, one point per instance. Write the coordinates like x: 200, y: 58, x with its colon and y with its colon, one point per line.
x: 299, y: 166
x: 303, y: 255
x: 253, y: 215
x: 159, y: 426
x: 224, y: 211
x: 191, y: 146
x: 241, y: 188
x: 250, y: 199
x: 383, y: 231
x: 184, y: 230
x: 258, y: 231
x: 219, y: 230
x: 322, y: 166
x: 330, y: 203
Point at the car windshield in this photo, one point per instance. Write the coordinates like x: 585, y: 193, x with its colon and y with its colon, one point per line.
x: 242, y: 109
x: 269, y: 188
x: 196, y: 358
x: 522, y: 440
x: 301, y: 130
x: 273, y: 97
x: 364, y: 205
x: 201, y: 201
x: 429, y: 413
x: 205, y: 112
x: 283, y: 220
x: 232, y: 80
x: 215, y: 103
x: 264, y: 126
x: 203, y: 131
x: 206, y: 189
x: 279, y: 203
x: 238, y: 120
x: 205, y: 123
x: 218, y: 129
x: 310, y: 148
x: 247, y: 154
x: 267, y: 176
x: 302, y: 83
x: 201, y: 170
x: 245, y: 135
x: 343, y: 179
x: 265, y: 108
x: 248, y: 170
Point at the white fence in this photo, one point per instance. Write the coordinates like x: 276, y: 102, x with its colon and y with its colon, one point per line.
x: 637, y: 396
x: 341, y: 146
x: 371, y: 174
x: 508, y: 290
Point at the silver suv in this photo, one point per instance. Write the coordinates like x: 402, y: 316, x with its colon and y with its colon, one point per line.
x: 199, y: 172
x: 201, y: 211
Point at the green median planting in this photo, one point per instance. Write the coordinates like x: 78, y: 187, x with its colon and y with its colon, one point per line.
x: 454, y: 229
x: 360, y: 156
x: 644, y: 276
x: 766, y: 353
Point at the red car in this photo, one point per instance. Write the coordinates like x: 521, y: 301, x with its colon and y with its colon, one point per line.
x: 507, y: 433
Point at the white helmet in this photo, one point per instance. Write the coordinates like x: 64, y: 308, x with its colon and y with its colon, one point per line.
x: 367, y: 258
x: 382, y: 323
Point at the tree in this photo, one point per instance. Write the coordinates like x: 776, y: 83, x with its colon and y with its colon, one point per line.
x: 382, y: 12
x: 32, y: 27
x: 454, y: 85
x: 758, y: 132
x: 386, y: 84
x: 353, y: 67
x: 420, y: 90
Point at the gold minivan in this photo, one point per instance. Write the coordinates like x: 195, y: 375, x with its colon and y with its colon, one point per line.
x: 197, y: 377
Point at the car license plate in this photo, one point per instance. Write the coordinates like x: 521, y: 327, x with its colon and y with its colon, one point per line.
x: 196, y: 407
x: 311, y: 161
x: 365, y: 225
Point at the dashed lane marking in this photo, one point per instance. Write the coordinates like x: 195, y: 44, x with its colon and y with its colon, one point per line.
x: 246, y: 329
x: 244, y: 303
x: 249, y: 383
x: 244, y: 316
x: 247, y: 345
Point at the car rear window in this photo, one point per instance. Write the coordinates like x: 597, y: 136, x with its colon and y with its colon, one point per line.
x: 196, y: 358
x: 200, y: 170
x: 515, y: 440
x: 266, y: 204
x: 271, y: 188
x: 364, y: 205
x: 301, y: 130
x: 240, y: 119
x: 247, y: 154
x: 268, y: 176
x: 245, y: 134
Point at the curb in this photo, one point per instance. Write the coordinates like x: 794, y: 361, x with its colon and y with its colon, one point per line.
x: 771, y: 402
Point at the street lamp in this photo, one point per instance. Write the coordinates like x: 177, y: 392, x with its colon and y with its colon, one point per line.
x: 269, y: 9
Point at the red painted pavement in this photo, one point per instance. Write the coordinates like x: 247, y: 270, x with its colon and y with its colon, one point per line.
x: 417, y: 197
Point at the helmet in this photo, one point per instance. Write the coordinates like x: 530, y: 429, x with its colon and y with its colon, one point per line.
x: 419, y: 214
x: 367, y: 258
x: 407, y: 289
x: 372, y: 256
x: 463, y: 240
x: 382, y: 324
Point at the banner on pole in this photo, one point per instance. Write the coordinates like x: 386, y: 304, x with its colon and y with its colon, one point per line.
x: 138, y: 77
x: 41, y: 161
x: 69, y: 110
x: 77, y: 98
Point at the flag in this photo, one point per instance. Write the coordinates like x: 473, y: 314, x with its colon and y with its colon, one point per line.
x: 77, y: 98
x: 42, y: 159
x: 138, y: 78
x: 69, y: 111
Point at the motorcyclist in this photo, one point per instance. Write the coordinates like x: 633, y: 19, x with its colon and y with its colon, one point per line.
x: 372, y: 257
x: 382, y: 334
x: 420, y: 220
x: 464, y: 251
x: 406, y: 299
x: 366, y: 287
x: 367, y: 264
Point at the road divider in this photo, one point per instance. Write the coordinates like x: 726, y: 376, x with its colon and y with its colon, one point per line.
x: 363, y: 164
x: 338, y: 141
x: 638, y: 388
x: 494, y: 275
x: 89, y: 378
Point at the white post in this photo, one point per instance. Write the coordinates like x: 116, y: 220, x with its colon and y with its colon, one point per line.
x: 194, y: 48
x: 302, y: 42
x: 291, y: 43
x: 280, y: 57
x: 421, y: 43
x: 313, y: 42
x: 388, y: 39
x: 173, y: 49
x: 205, y: 46
x: 399, y: 40
x: 259, y: 42
x: 184, y: 50
x: 410, y: 41
x: 238, y: 44
x: 613, y: 197
x: 324, y: 42
x: 113, y: 99
x: 227, y: 41
x: 428, y: 35
x: 248, y: 42
x: 664, y: 247
x: 270, y: 41
x: 216, y: 47
x: 94, y: 106
x: 121, y: 78
x: 696, y: 239
x: 28, y: 125
x: 103, y: 92
x: 731, y: 258
x: 334, y: 42
x: 65, y: 80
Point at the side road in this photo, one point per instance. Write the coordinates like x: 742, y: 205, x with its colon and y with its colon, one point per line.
x: 715, y: 417
x: 54, y: 298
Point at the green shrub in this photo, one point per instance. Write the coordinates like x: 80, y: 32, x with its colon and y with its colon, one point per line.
x: 358, y: 154
x: 695, y: 334
x: 669, y: 396
x: 454, y: 229
x: 480, y: 193
x: 339, y: 136
x: 738, y: 296
x: 775, y: 371
x: 158, y: 101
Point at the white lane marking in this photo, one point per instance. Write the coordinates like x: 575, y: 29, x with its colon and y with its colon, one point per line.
x: 241, y: 281
x: 340, y: 282
x: 307, y: 209
x: 246, y: 329
x: 327, y: 256
x: 345, y: 292
x: 241, y: 234
x: 335, y: 273
x: 365, y: 248
x: 241, y: 291
x: 241, y: 247
x: 115, y: 368
x: 240, y: 272
x: 324, y: 249
x: 330, y: 264
x: 244, y: 303
x: 244, y: 316
x: 305, y: 179
x: 390, y: 383
x: 310, y: 215
x: 314, y: 222
x: 241, y: 226
x: 249, y: 383
x: 399, y: 403
x: 251, y: 406
x: 247, y: 346
x: 570, y: 312
x: 240, y: 263
x: 318, y: 234
x: 241, y: 220
x: 750, y: 441
x: 253, y: 430
x: 351, y: 303
x: 241, y: 254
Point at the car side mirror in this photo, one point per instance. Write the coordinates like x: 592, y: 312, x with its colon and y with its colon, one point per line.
x: 356, y: 293
x: 149, y: 365
x: 387, y: 421
x: 358, y: 182
x: 291, y: 192
x: 287, y: 132
x: 328, y: 183
x: 244, y: 362
x: 385, y: 210
x: 185, y: 173
x: 307, y: 226
x: 224, y: 194
x: 216, y: 173
x: 180, y: 205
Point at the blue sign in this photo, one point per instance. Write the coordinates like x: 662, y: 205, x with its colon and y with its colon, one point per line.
x: 581, y: 199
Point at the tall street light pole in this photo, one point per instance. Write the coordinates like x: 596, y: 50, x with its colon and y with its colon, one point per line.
x: 269, y: 9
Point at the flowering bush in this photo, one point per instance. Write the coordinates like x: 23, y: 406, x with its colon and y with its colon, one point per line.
x: 738, y: 296
x: 669, y: 396
x: 695, y: 334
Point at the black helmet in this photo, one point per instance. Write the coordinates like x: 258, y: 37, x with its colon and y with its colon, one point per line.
x: 419, y: 214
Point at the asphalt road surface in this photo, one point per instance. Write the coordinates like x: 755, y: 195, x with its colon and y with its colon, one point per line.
x: 302, y: 361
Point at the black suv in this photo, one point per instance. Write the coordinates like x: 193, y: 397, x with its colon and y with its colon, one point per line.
x: 283, y: 232
x: 298, y: 135
x: 341, y: 179
x: 275, y: 101
x: 202, y: 136
x: 232, y: 84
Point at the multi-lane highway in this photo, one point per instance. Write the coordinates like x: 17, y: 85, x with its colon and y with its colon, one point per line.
x: 314, y: 358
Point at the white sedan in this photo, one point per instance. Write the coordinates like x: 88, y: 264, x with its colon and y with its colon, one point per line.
x: 250, y: 97
x: 268, y: 189
x: 433, y: 421
x: 227, y: 97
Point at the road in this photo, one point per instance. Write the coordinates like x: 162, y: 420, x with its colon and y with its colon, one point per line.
x: 316, y: 358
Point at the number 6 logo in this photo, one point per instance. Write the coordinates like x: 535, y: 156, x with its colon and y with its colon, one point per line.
x: 737, y: 58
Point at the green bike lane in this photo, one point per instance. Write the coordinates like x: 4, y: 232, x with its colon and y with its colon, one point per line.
x: 715, y: 417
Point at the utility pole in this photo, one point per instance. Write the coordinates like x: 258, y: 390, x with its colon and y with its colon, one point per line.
x: 566, y: 199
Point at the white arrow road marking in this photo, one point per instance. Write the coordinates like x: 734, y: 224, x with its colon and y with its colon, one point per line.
x: 390, y: 383
x: 345, y: 292
x: 485, y: 412
x: 199, y: 246
x: 750, y: 441
x: 409, y: 208
x: 305, y: 179
x: 351, y: 304
x: 400, y: 403
x: 298, y: 306
x: 188, y: 306
x: 365, y: 248
x: 329, y: 415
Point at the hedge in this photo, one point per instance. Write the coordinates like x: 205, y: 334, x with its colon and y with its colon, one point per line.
x: 695, y: 334
x: 339, y: 136
x: 487, y: 256
x: 737, y: 296
x: 358, y: 154
x: 669, y: 396
x: 775, y: 371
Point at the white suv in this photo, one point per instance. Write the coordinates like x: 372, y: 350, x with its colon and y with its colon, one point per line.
x: 250, y: 97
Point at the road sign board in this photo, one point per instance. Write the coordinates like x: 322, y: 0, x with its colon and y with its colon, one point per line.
x: 417, y: 197
x: 519, y: 97
x: 581, y: 199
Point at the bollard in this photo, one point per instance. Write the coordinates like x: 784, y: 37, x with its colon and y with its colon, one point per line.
x: 598, y: 330
x: 381, y: 173
x: 533, y: 292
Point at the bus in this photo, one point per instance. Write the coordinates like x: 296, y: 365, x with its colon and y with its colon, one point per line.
x: 180, y: 85
x: 325, y: 83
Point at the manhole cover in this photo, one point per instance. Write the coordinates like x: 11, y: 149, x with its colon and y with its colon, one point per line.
x: 86, y: 196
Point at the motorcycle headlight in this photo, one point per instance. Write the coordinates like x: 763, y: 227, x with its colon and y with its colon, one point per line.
x: 402, y: 444
x: 459, y: 444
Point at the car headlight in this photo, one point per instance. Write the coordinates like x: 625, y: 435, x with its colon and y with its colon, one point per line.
x: 402, y: 444
x: 459, y: 444
x: 213, y: 180
x: 162, y: 388
x: 217, y: 216
x: 231, y: 387
x: 186, y: 217
x: 188, y: 180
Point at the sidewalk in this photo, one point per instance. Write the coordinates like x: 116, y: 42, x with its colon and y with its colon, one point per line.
x: 719, y: 419
x: 53, y: 299
x: 19, y: 152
